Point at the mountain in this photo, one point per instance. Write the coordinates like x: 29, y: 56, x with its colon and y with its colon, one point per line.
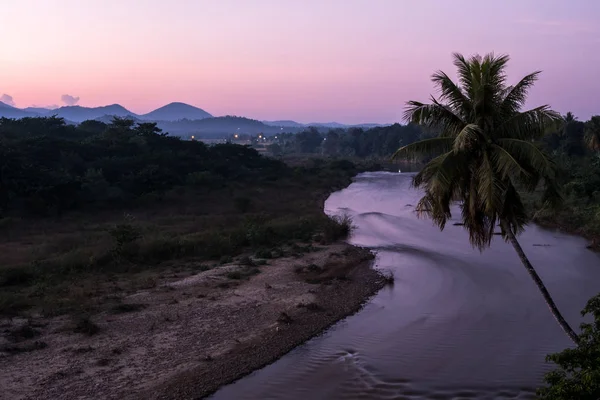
x: 219, y: 127
x: 39, y: 110
x: 330, y: 125
x: 7, y: 111
x: 176, y: 112
x: 284, y: 123
x: 80, y: 114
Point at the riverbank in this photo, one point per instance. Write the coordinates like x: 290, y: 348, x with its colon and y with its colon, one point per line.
x: 186, y: 337
x: 575, y: 216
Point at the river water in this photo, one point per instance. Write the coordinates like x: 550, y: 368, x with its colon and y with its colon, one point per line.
x: 457, y: 324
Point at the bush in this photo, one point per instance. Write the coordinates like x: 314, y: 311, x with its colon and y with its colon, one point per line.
x: 124, y: 233
x: 578, y: 375
x: 336, y: 228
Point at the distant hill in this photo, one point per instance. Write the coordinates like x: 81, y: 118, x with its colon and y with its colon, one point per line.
x: 218, y: 127
x: 39, y: 110
x: 7, y: 111
x: 179, y: 119
x: 176, y: 112
x: 330, y: 125
x: 284, y: 123
x: 80, y: 114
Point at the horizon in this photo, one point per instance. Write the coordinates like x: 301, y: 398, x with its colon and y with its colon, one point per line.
x: 273, y: 60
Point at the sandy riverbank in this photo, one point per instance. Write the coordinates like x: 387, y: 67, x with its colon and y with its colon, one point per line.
x: 185, y: 338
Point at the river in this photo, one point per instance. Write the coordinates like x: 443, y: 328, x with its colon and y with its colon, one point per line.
x: 457, y: 323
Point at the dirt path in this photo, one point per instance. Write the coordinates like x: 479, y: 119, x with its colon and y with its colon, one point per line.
x: 186, y: 338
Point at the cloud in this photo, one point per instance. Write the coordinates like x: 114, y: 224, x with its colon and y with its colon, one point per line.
x: 69, y: 100
x: 7, y: 99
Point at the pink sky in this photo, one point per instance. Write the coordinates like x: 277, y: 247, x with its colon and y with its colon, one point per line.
x: 309, y: 60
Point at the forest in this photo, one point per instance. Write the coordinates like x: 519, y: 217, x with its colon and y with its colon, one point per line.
x: 48, y: 167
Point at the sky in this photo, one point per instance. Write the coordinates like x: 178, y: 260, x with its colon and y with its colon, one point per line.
x: 351, y: 61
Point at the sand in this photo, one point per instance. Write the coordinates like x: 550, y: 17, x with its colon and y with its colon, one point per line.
x: 190, y: 336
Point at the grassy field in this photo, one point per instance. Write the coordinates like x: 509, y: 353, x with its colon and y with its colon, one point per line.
x: 83, y: 263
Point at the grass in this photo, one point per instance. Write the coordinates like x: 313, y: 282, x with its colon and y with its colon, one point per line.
x: 69, y: 264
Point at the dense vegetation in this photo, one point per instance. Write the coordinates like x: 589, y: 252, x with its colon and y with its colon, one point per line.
x: 376, y: 143
x: 573, y: 147
x: 48, y: 167
x: 84, y: 205
x: 578, y: 376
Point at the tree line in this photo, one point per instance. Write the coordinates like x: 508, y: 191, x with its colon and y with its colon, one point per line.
x: 377, y: 142
x: 48, y: 167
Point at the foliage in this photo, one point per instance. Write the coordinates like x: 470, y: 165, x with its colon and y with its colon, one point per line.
x: 484, y: 150
x: 592, y: 133
x: 48, y: 167
x: 578, y: 373
x: 353, y: 142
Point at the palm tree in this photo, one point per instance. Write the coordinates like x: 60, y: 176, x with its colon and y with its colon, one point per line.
x: 484, y: 154
x: 592, y: 133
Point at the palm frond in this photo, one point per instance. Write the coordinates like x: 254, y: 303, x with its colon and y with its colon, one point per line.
x: 452, y: 94
x: 527, y: 153
x: 495, y: 67
x: 468, y: 137
x: 507, y: 166
x: 527, y: 125
x: 515, y: 96
x: 439, y: 178
x: 490, y: 189
x: 431, y: 146
x: 434, y: 115
x: 465, y: 75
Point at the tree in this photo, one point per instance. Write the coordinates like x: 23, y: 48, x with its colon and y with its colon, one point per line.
x: 573, y: 133
x: 592, y: 133
x: 578, y: 376
x: 485, y: 152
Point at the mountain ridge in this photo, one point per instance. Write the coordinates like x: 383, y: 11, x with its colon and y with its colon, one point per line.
x: 176, y: 111
x: 176, y: 117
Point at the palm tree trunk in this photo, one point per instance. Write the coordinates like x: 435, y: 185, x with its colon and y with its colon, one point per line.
x: 538, y: 281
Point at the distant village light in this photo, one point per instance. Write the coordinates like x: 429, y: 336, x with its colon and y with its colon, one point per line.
x: 192, y: 137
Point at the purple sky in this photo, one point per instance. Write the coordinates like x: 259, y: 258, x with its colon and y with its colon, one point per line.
x: 309, y: 60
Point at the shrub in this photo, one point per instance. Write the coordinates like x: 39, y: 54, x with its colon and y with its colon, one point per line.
x: 336, y: 228
x: 578, y: 375
x: 124, y: 233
